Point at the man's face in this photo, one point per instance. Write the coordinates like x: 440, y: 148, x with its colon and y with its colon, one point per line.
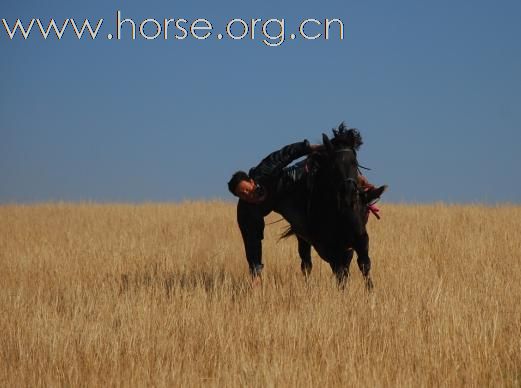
x: 246, y: 191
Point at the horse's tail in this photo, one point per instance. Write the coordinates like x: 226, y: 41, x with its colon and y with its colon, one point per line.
x: 287, y: 233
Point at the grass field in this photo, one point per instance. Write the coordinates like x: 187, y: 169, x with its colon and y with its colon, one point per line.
x: 158, y: 295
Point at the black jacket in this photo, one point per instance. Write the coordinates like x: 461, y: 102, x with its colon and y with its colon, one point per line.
x: 271, y: 173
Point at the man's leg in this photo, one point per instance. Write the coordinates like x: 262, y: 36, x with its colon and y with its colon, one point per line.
x: 251, y: 225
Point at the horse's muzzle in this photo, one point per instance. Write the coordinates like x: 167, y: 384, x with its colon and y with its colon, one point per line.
x: 348, y: 194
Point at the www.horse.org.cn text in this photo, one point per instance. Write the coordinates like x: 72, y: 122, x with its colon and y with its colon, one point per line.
x: 271, y: 32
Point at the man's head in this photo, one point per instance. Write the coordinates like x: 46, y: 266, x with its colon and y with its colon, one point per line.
x: 242, y: 186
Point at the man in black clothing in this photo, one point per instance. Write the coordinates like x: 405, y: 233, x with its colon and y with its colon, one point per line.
x: 264, y: 189
x: 269, y: 187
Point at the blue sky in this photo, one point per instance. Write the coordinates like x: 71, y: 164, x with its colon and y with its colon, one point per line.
x: 434, y: 87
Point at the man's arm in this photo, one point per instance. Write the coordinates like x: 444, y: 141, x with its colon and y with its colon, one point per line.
x: 273, y: 164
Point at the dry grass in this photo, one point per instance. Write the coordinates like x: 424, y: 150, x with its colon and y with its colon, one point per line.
x: 158, y: 295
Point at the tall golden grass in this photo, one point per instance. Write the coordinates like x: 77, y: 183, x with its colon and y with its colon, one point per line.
x: 158, y: 294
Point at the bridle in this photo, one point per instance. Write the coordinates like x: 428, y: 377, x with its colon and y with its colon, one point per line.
x: 358, y: 165
x: 352, y: 181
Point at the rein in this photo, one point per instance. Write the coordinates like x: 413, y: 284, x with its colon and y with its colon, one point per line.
x: 274, y: 222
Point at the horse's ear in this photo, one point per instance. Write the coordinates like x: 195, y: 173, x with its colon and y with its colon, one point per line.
x: 327, y: 143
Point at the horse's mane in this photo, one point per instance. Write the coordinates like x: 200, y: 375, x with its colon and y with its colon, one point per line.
x: 346, y: 137
x: 343, y: 137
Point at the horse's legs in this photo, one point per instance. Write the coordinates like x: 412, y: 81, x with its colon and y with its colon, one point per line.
x: 339, y: 260
x: 363, y: 260
x: 295, y: 214
x: 304, y: 251
x: 341, y: 270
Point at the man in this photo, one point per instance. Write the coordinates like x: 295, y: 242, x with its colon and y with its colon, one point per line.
x: 269, y: 187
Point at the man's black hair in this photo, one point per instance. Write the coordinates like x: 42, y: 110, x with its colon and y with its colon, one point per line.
x: 236, y: 179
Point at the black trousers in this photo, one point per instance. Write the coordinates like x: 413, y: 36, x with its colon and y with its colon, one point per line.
x: 250, y: 218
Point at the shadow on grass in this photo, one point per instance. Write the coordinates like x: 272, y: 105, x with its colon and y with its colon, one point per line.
x: 212, y: 282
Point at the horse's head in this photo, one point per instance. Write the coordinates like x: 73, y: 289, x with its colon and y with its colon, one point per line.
x: 341, y: 167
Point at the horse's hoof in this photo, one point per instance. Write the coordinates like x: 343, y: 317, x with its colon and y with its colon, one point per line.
x: 369, y: 284
x: 256, y: 281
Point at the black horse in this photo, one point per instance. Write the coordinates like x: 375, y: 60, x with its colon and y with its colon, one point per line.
x: 336, y: 209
